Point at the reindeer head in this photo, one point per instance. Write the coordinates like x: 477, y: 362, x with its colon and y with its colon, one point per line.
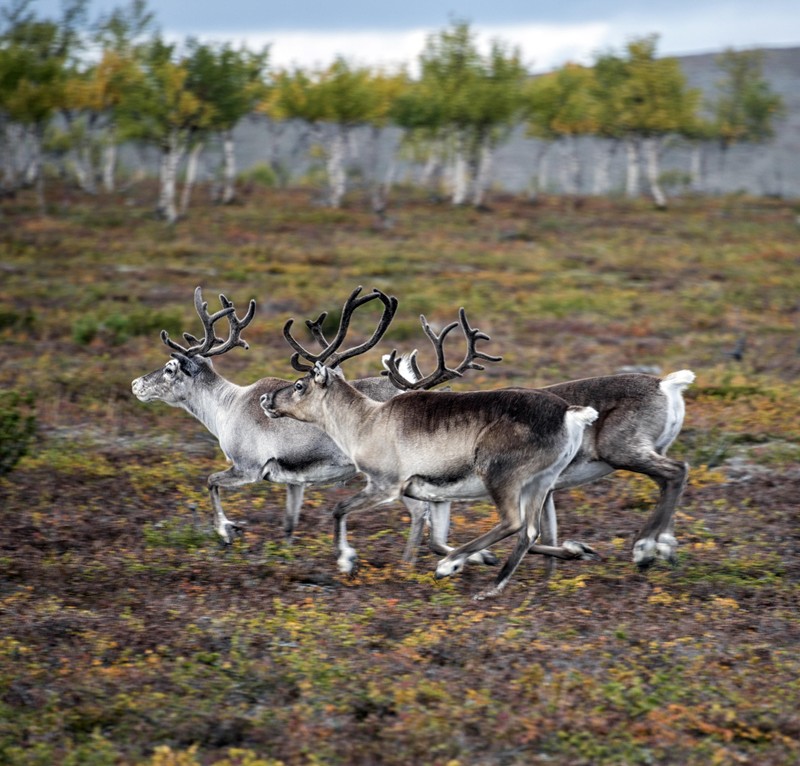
x: 176, y: 382
x: 302, y: 399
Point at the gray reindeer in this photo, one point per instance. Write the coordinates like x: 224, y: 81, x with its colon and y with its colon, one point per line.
x: 285, y: 452
x: 509, y: 445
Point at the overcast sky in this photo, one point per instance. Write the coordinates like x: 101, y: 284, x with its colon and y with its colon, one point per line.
x: 377, y: 32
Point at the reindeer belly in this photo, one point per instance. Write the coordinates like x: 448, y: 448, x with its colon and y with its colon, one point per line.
x: 582, y: 472
x: 438, y: 489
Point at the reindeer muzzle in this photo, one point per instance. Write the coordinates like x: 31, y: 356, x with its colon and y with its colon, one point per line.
x: 267, y: 403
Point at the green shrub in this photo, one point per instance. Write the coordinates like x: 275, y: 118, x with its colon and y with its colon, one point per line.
x: 261, y: 174
x: 17, y: 426
x: 14, y: 319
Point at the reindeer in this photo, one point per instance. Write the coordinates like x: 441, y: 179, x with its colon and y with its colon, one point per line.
x: 285, y: 452
x: 509, y: 445
x: 640, y: 416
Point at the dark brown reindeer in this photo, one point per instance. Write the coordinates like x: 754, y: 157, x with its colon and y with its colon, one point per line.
x: 640, y: 416
x: 285, y: 452
x: 509, y: 445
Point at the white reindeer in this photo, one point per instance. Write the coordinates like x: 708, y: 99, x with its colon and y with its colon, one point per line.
x: 285, y: 452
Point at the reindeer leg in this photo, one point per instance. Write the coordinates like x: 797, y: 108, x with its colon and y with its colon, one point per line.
x: 368, y: 497
x: 294, y: 500
x: 505, y: 494
x: 655, y: 540
x: 549, y: 533
x: 233, y: 477
x: 418, y: 510
x: 530, y: 504
x: 568, y: 550
x: 440, y: 530
x: 454, y: 561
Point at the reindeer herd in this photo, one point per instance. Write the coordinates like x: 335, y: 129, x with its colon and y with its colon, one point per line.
x: 426, y: 448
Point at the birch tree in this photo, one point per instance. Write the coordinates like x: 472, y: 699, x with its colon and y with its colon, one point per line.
x: 92, y: 99
x: 231, y: 82
x: 387, y: 88
x: 123, y: 36
x: 561, y: 107
x: 607, y: 95
x: 162, y: 110
x: 466, y: 101
x: 652, y: 103
x: 744, y: 108
x: 35, y: 56
x: 334, y: 101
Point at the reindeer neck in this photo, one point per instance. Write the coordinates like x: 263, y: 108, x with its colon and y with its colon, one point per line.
x: 213, y: 397
x: 344, y: 412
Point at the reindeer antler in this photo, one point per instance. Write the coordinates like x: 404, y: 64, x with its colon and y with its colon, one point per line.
x: 330, y: 356
x: 210, y: 344
x: 442, y: 373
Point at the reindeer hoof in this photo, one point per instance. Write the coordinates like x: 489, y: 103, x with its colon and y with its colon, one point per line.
x: 229, y: 532
x: 581, y: 551
x: 446, y: 568
x: 487, y: 593
x: 647, y: 551
x: 348, y: 563
x: 489, y: 558
x: 486, y: 558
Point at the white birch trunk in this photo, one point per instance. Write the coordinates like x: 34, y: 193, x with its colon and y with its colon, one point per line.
x: 651, y: 148
x: 696, y: 167
x: 192, y: 164
x: 35, y: 168
x: 543, y: 169
x: 483, y: 174
x: 228, y: 168
x: 570, y: 167
x: 84, y: 172
x: 632, y: 168
x: 380, y: 185
x: 33, y: 157
x: 604, y: 153
x: 432, y: 171
x: 109, y: 165
x: 337, y: 178
x: 460, y: 173
x: 170, y: 159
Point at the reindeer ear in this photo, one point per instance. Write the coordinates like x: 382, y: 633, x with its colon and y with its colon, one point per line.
x: 188, y: 364
x: 321, y: 374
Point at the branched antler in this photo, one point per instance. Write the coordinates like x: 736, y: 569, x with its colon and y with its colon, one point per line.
x: 330, y: 356
x: 442, y: 373
x: 210, y: 344
x: 315, y: 328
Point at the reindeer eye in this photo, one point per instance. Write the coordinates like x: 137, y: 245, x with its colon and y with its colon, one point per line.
x: 299, y: 386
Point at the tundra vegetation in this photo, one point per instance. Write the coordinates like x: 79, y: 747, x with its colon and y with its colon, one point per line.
x: 130, y: 636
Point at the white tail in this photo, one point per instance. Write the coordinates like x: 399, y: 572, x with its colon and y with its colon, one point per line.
x: 585, y: 416
x: 677, y: 380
